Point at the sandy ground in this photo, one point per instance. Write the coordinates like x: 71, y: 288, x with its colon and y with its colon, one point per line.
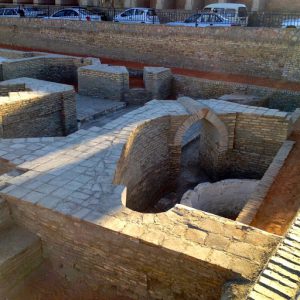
x: 283, y: 199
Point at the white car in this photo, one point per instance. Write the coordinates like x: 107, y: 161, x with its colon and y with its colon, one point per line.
x: 138, y: 15
x: 204, y: 20
x: 9, y: 13
x: 292, y: 23
x: 74, y: 14
x: 33, y: 12
x: 28, y: 12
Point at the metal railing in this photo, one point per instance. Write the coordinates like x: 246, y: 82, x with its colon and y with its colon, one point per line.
x: 254, y: 19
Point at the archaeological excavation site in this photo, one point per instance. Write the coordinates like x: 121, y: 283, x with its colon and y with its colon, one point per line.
x: 148, y: 162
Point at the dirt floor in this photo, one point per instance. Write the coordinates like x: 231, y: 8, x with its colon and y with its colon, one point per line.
x: 5, y: 166
x: 283, y: 199
x: 47, y: 284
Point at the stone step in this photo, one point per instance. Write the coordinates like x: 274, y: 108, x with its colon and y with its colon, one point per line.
x: 5, y: 218
x: 20, y: 253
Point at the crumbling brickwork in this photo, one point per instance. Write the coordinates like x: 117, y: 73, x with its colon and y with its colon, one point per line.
x: 258, y: 52
x: 31, y: 108
x: 109, y: 82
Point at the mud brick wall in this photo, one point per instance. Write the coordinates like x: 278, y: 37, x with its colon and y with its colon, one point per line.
x: 51, y: 115
x: 291, y: 6
x: 138, y: 267
x: 264, y: 52
x: 158, y: 81
x: 6, y: 89
x: 144, y: 164
x: 109, y: 82
x: 211, y: 89
x: 257, y: 140
x: 54, y: 68
x: 11, y: 54
x: 150, y: 164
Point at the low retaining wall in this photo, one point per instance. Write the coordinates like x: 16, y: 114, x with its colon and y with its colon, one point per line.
x: 264, y: 52
x: 35, y: 108
x: 158, y: 81
x: 109, y: 82
x: 211, y: 89
x: 133, y: 262
x: 57, y: 68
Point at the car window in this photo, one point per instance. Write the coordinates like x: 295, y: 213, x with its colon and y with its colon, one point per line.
x: 83, y: 12
x: 207, y: 9
x: 151, y: 12
x: 71, y: 13
x: 128, y: 13
x: 10, y: 12
x: 192, y: 19
x: 139, y: 12
x: 1, y: 12
x: 59, y: 14
x: 215, y: 19
x: 230, y: 12
x: 242, y: 12
x: 205, y: 18
x: 220, y: 11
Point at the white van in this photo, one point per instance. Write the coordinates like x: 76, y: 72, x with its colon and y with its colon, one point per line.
x: 234, y: 12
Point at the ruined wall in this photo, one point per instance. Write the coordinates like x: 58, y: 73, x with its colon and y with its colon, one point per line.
x: 277, y: 98
x: 256, y: 141
x: 56, y: 68
x: 144, y: 164
x: 109, y: 82
x: 258, y: 52
x: 141, y: 268
x: 158, y: 81
x: 30, y: 114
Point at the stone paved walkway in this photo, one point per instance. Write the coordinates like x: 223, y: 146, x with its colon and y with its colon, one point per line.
x: 74, y: 176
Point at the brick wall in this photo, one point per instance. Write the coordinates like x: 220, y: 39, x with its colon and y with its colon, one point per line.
x: 249, y: 51
x: 158, y: 81
x: 197, y: 256
x: 256, y: 141
x: 109, y: 82
x: 211, y: 89
x: 31, y: 113
x: 291, y: 6
x: 55, y: 68
x: 144, y: 164
x: 150, y: 162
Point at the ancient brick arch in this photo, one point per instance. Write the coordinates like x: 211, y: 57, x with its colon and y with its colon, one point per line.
x: 204, y: 114
x: 216, y: 136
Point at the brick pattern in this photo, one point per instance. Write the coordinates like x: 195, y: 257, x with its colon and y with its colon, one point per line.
x: 284, y: 100
x: 68, y: 190
x: 56, y: 68
x: 281, y: 275
x: 43, y: 109
x: 99, y: 80
x: 137, y: 96
x: 158, y: 81
x: 6, y: 89
x: 258, y: 52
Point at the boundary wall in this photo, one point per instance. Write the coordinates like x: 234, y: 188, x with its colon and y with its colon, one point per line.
x: 262, y: 52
